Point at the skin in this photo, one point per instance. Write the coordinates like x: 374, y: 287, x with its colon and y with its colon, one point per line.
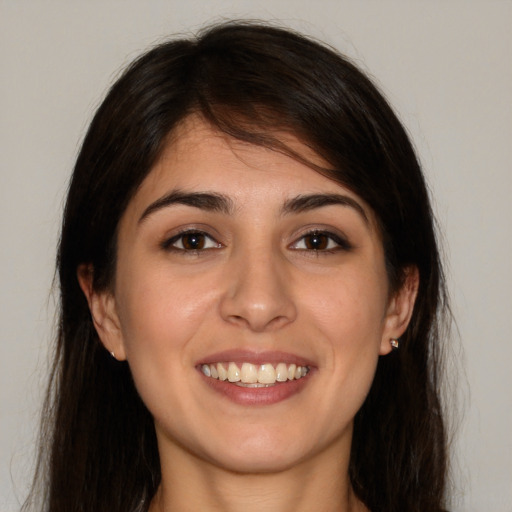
x: 255, y: 286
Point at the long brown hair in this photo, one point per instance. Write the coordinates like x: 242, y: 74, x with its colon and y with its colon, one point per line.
x: 250, y: 81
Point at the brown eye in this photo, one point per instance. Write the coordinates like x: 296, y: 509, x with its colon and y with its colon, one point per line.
x: 193, y: 241
x: 322, y: 242
x: 316, y: 241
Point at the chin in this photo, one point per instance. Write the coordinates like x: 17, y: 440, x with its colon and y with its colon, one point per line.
x: 258, y: 462
x: 261, y: 452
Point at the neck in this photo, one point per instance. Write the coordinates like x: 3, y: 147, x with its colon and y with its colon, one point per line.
x: 189, y: 483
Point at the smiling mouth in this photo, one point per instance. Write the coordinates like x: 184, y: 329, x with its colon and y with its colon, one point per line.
x: 254, y: 376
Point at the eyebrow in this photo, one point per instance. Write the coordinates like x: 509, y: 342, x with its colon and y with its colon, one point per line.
x: 203, y: 200
x: 304, y: 203
x: 214, y: 202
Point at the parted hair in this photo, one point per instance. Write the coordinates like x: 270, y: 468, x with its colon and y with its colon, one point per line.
x: 253, y: 82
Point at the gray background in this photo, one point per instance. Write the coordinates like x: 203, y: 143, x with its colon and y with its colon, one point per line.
x: 446, y: 66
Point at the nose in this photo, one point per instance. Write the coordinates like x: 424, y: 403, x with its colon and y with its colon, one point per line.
x: 258, y: 293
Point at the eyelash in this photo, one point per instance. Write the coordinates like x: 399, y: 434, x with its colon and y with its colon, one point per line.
x: 170, y: 244
x: 340, y: 243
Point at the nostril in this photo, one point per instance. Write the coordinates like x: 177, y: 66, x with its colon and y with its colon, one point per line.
x: 258, y: 300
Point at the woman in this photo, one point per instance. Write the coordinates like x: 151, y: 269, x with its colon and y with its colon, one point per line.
x: 251, y: 292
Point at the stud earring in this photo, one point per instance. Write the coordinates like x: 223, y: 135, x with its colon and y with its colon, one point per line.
x: 112, y: 354
x: 395, y: 344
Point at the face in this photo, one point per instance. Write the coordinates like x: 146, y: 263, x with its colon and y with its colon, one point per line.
x: 251, y: 302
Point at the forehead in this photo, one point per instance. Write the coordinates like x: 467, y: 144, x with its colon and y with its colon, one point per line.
x: 199, y: 158
x: 196, y: 150
x: 207, y: 151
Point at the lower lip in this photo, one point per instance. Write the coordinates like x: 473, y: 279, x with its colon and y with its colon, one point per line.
x: 257, y: 396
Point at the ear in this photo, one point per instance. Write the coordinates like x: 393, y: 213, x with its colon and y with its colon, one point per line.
x: 102, y: 306
x: 400, y: 308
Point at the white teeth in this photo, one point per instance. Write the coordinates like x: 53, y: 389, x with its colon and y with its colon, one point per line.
x: 223, y: 373
x: 266, y: 374
x: 281, y: 372
x: 255, y: 385
x: 251, y: 375
x: 233, y: 373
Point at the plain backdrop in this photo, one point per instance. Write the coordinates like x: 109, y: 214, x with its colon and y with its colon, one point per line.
x: 446, y: 66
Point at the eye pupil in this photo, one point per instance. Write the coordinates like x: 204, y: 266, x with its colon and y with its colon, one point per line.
x: 316, y: 241
x: 193, y: 241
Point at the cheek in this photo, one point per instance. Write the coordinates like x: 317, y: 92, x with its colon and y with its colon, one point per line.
x: 349, y: 308
x: 159, y: 317
x: 348, y: 314
x: 160, y: 310
x: 162, y: 314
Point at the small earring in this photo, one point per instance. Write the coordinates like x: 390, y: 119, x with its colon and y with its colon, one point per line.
x: 395, y: 344
x: 112, y: 354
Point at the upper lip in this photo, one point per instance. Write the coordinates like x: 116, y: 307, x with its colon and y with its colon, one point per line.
x: 255, y: 357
